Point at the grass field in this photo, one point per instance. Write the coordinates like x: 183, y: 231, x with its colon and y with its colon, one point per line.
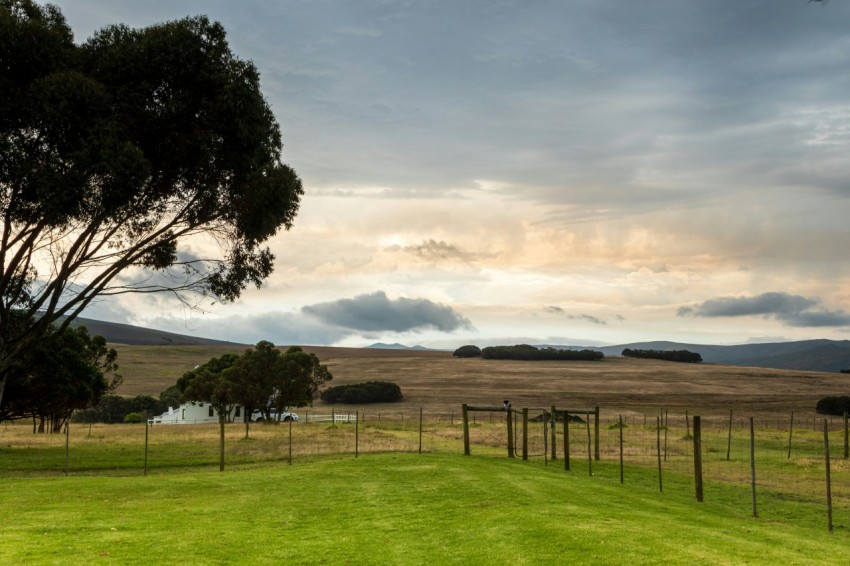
x: 440, y: 383
x: 392, y: 505
x: 391, y: 509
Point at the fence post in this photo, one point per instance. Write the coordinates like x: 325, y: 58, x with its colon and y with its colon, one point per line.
x: 621, y: 448
x: 420, y: 430
x: 666, y: 424
x: 510, y: 422
x: 566, y: 441
x: 333, y: 416
x: 828, y: 478
x: 146, y: 447
x: 658, y: 449
x: 589, y: 454
x: 596, y: 433
x: 67, y: 447
x: 846, y: 444
x: 729, y: 442
x: 357, y: 436
x: 753, y: 464
x: 465, y: 429
x: 290, y: 442
x: 554, y: 435
x: 698, y: 458
x: 525, y: 434
x: 790, y: 434
x: 687, y: 425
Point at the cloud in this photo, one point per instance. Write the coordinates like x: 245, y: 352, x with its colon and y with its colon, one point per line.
x: 792, y: 310
x: 586, y: 317
x: 433, y: 250
x: 375, y: 312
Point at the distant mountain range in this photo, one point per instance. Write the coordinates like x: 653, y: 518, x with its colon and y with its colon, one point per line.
x: 804, y: 355
x: 396, y: 346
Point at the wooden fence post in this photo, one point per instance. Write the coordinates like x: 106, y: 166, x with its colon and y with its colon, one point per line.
x: 698, y: 458
x: 466, y: 429
x: 554, y: 435
x: 589, y: 452
x: 146, y: 447
x: 357, y: 435
x: 290, y: 442
x: 828, y: 478
x: 790, y: 434
x: 846, y: 443
x: 753, y: 464
x: 67, y: 447
x: 621, y: 448
x: 566, y: 441
x: 596, y: 433
x: 666, y: 426
x: 525, y: 434
x: 658, y: 450
x: 420, y: 430
x: 729, y: 441
x: 510, y: 422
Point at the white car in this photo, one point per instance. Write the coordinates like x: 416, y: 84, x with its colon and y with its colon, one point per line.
x: 258, y: 416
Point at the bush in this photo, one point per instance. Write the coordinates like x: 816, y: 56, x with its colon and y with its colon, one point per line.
x: 668, y: 355
x: 833, y: 405
x: 132, y: 418
x: 527, y: 352
x: 468, y: 351
x: 114, y: 409
x: 359, y: 393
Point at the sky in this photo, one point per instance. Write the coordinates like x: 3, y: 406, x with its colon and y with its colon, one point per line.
x: 586, y: 172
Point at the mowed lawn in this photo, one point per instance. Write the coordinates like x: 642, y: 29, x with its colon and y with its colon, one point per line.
x: 387, y: 509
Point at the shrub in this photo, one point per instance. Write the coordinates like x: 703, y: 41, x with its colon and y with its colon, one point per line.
x: 668, y: 355
x: 468, y: 351
x: 359, y: 393
x: 833, y: 405
x: 527, y: 352
x: 132, y: 418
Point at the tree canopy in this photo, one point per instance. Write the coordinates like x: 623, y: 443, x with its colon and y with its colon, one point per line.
x: 67, y: 370
x: 118, y: 156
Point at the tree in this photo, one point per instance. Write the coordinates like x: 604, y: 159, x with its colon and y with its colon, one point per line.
x: 211, y: 383
x: 118, y: 154
x: 252, y: 372
x: 297, y: 379
x: 468, y: 351
x: 65, y: 371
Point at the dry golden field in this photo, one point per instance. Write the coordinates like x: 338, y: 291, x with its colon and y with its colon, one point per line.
x: 440, y: 383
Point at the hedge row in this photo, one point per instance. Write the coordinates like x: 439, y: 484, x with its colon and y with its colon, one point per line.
x: 668, y: 355
x: 368, y: 392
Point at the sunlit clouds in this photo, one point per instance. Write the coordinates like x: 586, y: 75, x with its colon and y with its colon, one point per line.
x: 583, y: 172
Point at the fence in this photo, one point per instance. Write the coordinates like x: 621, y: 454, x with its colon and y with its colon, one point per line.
x: 746, y: 466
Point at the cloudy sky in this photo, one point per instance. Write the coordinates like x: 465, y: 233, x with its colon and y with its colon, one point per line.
x: 579, y: 172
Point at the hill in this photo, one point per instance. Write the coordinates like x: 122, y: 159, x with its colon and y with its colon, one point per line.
x: 806, y: 355
x: 116, y: 333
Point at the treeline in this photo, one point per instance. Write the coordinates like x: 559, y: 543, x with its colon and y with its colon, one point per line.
x: 368, y: 392
x: 115, y: 409
x: 668, y: 355
x: 528, y: 352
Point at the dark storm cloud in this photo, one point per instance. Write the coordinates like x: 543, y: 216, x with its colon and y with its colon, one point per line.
x: 375, y: 312
x: 793, y: 310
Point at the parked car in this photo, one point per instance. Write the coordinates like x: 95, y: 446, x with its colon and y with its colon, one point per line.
x: 258, y: 416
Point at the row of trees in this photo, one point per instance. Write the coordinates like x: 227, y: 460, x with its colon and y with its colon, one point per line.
x: 833, y: 405
x: 65, y: 371
x: 114, y: 409
x: 261, y: 379
x: 367, y: 392
x: 667, y: 355
x: 528, y: 352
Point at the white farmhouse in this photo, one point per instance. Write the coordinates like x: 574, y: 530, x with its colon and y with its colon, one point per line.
x: 196, y: 413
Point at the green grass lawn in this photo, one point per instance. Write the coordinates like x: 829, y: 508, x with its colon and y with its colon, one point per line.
x: 395, y: 509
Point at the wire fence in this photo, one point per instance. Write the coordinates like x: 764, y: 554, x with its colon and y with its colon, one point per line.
x: 759, y: 470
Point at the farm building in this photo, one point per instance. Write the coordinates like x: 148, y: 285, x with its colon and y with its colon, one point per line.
x: 195, y: 413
